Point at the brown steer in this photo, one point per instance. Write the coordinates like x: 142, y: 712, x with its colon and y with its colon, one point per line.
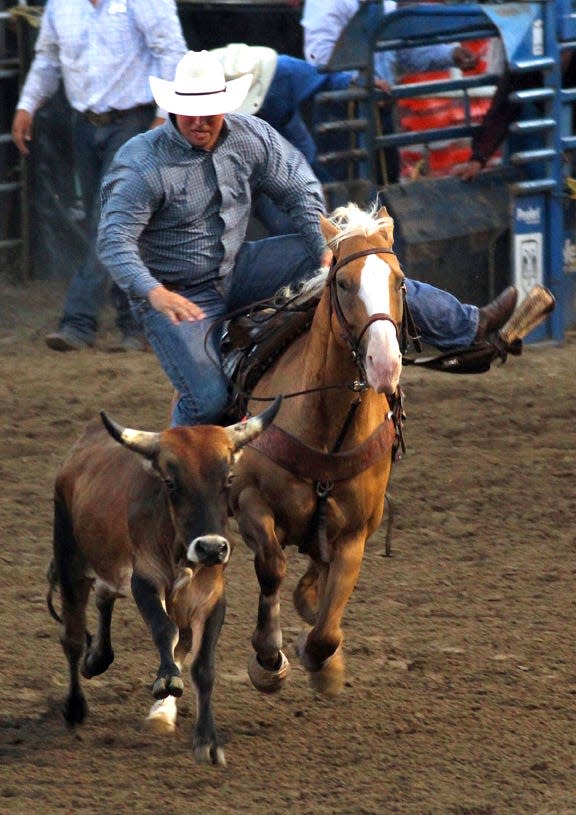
x: 148, y: 514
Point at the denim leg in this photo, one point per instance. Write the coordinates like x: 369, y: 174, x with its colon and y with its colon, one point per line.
x: 263, y: 267
x: 189, y: 352
x: 442, y: 320
x: 193, y: 369
x: 95, y: 148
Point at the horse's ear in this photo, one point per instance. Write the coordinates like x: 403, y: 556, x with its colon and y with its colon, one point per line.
x: 329, y: 230
x: 382, y: 213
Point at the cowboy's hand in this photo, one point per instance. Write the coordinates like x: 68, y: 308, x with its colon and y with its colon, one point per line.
x: 464, y: 58
x: 177, y: 308
x: 22, y: 130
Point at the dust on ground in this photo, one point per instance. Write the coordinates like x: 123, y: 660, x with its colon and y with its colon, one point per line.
x: 461, y: 688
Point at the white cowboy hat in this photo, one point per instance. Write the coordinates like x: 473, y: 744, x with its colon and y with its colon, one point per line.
x: 238, y: 59
x: 199, y: 87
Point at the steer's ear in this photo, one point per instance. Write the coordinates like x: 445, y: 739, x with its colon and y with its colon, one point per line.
x: 243, y: 432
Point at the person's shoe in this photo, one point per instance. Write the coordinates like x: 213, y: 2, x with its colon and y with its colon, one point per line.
x: 65, y: 340
x: 133, y: 342
x: 496, y: 314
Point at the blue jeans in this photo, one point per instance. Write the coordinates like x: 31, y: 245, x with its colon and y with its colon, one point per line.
x: 442, y: 320
x: 94, y: 149
x: 189, y: 352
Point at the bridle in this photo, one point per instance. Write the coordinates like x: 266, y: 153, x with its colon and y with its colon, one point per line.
x: 354, y: 342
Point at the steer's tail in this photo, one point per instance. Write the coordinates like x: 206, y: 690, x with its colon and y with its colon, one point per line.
x: 52, y: 579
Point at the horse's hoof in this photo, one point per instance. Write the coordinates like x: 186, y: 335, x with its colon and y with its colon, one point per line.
x: 266, y: 680
x: 328, y: 679
x: 167, y: 686
x: 208, y: 754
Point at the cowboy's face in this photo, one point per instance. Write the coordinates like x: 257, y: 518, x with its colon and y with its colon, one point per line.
x: 200, y: 131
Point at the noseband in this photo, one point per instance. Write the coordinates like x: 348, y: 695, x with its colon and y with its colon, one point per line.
x: 354, y: 343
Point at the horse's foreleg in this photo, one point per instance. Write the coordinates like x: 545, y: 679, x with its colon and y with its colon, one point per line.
x: 320, y: 650
x: 306, y: 595
x: 269, y: 667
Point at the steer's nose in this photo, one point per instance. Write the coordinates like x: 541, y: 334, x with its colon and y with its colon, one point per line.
x: 209, y: 550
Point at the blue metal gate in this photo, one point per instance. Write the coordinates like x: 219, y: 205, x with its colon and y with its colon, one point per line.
x: 541, y: 222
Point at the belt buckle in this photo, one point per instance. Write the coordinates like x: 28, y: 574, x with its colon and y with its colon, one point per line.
x: 99, y: 119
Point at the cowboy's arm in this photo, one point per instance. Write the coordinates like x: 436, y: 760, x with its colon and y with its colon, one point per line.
x: 41, y: 83
x: 285, y: 176
x: 129, y: 199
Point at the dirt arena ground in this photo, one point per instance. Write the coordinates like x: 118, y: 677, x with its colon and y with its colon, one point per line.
x: 461, y: 692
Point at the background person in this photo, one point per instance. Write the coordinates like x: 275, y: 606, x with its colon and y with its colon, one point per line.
x: 103, y: 50
x: 323, y: 21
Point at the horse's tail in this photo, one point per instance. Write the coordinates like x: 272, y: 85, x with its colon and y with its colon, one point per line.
x: 52, y: 578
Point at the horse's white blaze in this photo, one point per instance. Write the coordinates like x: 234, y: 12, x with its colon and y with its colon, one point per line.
x: 383, y: 358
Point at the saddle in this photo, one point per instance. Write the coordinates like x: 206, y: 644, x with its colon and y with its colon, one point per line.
x: 254, y: 340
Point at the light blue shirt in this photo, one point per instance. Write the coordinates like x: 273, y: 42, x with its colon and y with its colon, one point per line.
x: 174, y: 213
x: 103, y: 53
x: 324, y: 20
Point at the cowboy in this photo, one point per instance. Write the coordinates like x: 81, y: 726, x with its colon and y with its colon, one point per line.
x: 175, y: 208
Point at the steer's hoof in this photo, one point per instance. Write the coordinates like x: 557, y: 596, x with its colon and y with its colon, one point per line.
x: 95, y: 664
x: 268, y: 680
x: 167, y: 686
x: 209, y: 754
x: 162, y: 716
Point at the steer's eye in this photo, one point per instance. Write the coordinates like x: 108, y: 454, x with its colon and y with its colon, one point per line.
x: 229, y: 479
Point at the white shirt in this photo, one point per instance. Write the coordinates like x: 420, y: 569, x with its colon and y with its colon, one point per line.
x: 324, y: 20
x: 103, y: 53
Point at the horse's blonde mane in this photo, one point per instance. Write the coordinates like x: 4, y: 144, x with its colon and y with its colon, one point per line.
x: 305, y: 291
x: 351, y: 220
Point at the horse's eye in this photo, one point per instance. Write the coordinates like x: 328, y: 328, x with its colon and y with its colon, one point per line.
x: 342, y: 285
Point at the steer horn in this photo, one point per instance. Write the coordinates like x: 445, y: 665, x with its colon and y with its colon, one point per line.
x: 140, y: 441
x: 243, y: 432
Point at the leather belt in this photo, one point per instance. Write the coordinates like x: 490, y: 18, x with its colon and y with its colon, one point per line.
x: 111, y: 116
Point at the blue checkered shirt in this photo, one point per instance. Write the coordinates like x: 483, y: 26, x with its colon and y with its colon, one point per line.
x: 176, y: 214
x: 103, y: 53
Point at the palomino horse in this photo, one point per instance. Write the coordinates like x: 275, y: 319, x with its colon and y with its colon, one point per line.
x: 319, y: 479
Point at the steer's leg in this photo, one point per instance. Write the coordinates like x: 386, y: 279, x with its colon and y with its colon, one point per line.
x: 74, y: 592
x: 205, y: 633
x: 100, y: 654
x: 164, y: 633
x: 73, y: 640
x: 321, y: 648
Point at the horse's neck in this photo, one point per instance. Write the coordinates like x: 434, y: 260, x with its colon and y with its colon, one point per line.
x: 329, y: 373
